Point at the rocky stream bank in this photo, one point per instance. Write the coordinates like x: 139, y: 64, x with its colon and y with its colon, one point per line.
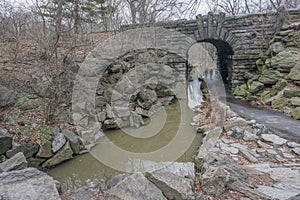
x: 239, y: 159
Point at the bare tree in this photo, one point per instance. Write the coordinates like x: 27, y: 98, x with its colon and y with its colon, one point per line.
x: 237, y: 7
x: 143, y: 11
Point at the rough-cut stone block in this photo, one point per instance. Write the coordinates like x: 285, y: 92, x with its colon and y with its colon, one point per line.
x: 27, y: 184
x: 5, y: 141
x: 16, y: 162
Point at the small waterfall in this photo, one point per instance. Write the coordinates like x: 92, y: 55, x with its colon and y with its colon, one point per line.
x: 195, y: 97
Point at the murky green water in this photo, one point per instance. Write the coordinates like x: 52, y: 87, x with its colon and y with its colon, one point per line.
x: 163, y: 138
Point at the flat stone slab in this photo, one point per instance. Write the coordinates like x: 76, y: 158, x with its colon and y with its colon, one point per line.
x: 16, y: 162
x: 228, y: 149
x: 209, y: 142
x: 27, y: 184
x: 172, y: 186
x: 58, y: 142
x: 274, y: 139
x: 133, y: 187
x: 246, y: 154
x: 276, y: 193
x: 293, y: 144
x: 287, y: 181
x: 180, y: 169
x: 296, y: 150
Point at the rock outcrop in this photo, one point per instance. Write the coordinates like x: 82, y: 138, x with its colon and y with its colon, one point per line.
x: 276, y: 79
x: 16, y: 162
x: 65, y: 153
x: 247, y: 159
x: 135, y: 186
x: 171, y: 185
x: 27, y: 184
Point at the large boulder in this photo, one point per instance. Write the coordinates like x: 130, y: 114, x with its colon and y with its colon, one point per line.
x: 27, y: 184
x: 284, y: 60
x: 5, y: 141
x: 265, y: 97
x: 241, y: 90
x: 58, y: 142
x: 172, y: 186
x: 121, y: 111
x: 295, y: 73
x: 76, y: 142
x: 216, y: 178
x: 93, y: 135
x: 45, y: 150
x: 291, y: 93
x: 147, y: 95
x: 254, y: 86
x: 112, y: 124
x: 269, y: 76
x: 295, y: 101
x: 183, y: 169
x: 16, y: 162
x: 93, y: 190
x: 116, y: 179
x: 208, y: 142
x: 135, y: 120
x: 280, y: 85
x: 296, y: 113
x: 135, y: 186
x: 64, y: 154
x: 7, y: 97
x: 280, y: 103
x: 273, y: 139
x: 27, y: 149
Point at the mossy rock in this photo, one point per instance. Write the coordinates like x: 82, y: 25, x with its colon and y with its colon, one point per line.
x: 285, y: 60
x: 280, y: 104
x: 295, y: 101
x: 295, y: 73
x: 264, y: 97
x: 254, y: 86
x: 270, y: 76
x: 280, y: 85
x: 294, y: 41
x: 241, y: 91
x: 296, y: 113
x: 287, y: 110
x: 291, y: 93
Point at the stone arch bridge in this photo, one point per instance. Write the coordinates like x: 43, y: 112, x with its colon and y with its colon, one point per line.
x: 239, y: 40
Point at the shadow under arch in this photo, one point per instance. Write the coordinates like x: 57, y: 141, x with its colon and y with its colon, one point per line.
x: 224, y: 58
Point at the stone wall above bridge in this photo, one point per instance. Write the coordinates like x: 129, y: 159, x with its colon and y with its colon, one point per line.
x: 239, y: 40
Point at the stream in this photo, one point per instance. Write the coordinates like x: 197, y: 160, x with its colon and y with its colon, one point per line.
x: 172, y: 127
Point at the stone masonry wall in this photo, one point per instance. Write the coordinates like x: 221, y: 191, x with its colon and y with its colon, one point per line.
x: 248, y: 35
x: 275, y: 81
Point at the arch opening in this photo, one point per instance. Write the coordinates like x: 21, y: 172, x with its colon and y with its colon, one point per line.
x: 224, y: 53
